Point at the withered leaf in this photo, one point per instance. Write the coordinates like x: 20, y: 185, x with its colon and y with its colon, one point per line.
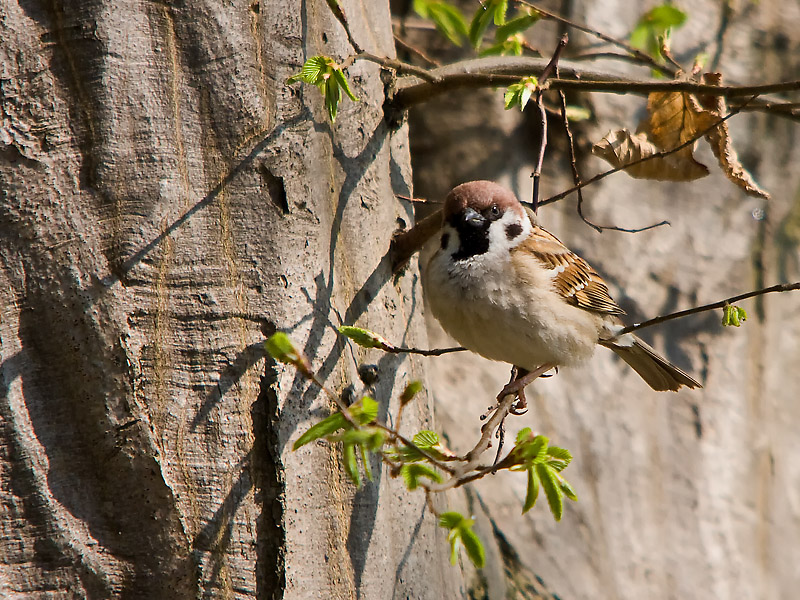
x: 621, y: 147
x: 721, y: 144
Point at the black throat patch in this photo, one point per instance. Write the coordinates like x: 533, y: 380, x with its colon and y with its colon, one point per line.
x: 474, y: 240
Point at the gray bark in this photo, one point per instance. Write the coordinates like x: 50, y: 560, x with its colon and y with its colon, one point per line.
x: 167, y: 202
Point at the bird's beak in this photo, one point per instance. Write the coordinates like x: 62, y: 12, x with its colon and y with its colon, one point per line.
x: 473, y: 217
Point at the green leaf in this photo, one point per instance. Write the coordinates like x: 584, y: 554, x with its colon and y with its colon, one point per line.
x: 333, y: 95
x: 480, y: 21
x: 514, y: 26
x: 312, y: 71
x: 533, y: 490
x: 578, y: 113
x: 421, y: 8
x: 371, y: 438
x: 325, y: 427
x: 350, y: 463
x: 451, y: 519
x: 365, y: 462
x: 520, y: 93
x: 559, y: 457
x: 525, y: 435
x: 655, y: 24
x: 281, y: 348
x: 413, y: 471
x: 412, y: 389
x: 552, y: 489
x: 499, y: 12
x: 365, y: 337
x: 511, y: 46
x: 365, y: 411
x: 426, y: 439
x: 449, y: 21
x: 342, y: 81
x: 474, y: 547
x: 455, y: 545
x: 733, y: 315
x: 568, y: 490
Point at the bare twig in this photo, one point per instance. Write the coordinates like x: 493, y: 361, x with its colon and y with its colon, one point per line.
x: 338, y: 12
x: 393, y: 433
x: 661, y: 154
x: 783, y: 287
x: 399, y: 66
x: 433, y: 352
x: 640, y: 56
x: 414, y: 50
x: 551, y: 67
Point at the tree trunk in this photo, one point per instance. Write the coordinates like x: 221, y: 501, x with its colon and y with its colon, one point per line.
x: 167, y: 202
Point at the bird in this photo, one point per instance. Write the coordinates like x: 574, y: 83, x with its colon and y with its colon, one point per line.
x: 509, y: 290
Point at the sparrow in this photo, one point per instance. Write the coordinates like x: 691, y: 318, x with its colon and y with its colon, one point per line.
x: 509, y: 290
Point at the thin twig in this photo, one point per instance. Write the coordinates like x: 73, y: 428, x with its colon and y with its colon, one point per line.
x: 783, y: 287
x: 399, y: 66
x: 551, y: 67
x: 414, y: 50
x: 643, y: 58
x: 420, y: 351
x: 661, y: 154
x: 338, y: 12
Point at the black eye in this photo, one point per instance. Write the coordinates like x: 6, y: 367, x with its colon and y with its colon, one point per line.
x: 495, y: 210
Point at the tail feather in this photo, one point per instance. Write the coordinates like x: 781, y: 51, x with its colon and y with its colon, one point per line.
x: 657, y: 371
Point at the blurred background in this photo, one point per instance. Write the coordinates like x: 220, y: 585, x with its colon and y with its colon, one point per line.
x: 687, y: 495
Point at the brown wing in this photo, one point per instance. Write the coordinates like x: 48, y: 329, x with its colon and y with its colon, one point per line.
x: 573, y: 277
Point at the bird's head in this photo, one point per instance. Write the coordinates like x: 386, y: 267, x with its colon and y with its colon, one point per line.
x: 482, y: 217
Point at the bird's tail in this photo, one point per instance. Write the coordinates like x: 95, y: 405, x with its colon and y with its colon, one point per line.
x: 657, y: 371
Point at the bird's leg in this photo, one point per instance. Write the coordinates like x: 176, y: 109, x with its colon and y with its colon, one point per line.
x: 520, y: 407
x: 519, y: 381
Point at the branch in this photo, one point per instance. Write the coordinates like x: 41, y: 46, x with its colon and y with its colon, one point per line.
x: 338, y: 12
x: 406, y: 243
x: 783, y: 287
x: 494, y: 71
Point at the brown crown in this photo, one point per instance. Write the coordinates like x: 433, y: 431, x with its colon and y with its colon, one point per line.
x: 479, y: 195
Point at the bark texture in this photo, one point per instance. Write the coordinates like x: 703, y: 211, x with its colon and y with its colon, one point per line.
x: 167, y: 201
x: 688, y: 495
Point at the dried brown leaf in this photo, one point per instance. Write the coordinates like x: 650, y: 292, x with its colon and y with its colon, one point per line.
x: 620, y: 148
x: 721, y: 144
x: 674, y: 118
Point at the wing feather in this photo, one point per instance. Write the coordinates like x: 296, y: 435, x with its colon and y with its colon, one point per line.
x: 573, y: 277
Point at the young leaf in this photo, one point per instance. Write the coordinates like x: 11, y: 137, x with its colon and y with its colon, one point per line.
x: 484, y: 15
x: 474, y: 547
x: 365, y: 462
x: 325, y: 427
x: 342, y: 81
x: 365, y: 411
x: 412, y: 389
x: 333, y: 95
x: 413, y: 471
x: 514, y: 26
x: 653, y: 25
x: 421, y: 8
x: 448, y: 20
x: 365, y: 337
x: 281, y: 348
x: 455, y: 545
x: 733, y: 315
x: 552, y: 489
x: 451, y: 519
x: 370, y: 438
x: 568, y: 490
x: 533, y: 490
x: 313, y: 70
x: 559, y: 458
x: 426, y: 439
x: 350, y: 464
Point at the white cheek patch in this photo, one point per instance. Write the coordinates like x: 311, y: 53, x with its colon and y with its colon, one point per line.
x: 499, y: 241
